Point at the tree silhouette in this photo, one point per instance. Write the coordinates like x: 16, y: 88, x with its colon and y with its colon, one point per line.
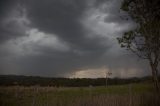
x: 144, y: 41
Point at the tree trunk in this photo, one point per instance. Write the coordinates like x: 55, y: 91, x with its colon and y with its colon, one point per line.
x: 155, y: 77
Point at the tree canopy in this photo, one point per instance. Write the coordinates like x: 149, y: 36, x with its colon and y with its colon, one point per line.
x: 144, y: 41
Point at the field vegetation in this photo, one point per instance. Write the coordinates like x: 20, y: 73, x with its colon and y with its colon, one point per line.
x: 115, y: 95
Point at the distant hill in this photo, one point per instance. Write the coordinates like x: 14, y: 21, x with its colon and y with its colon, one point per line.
x: 11, y: 80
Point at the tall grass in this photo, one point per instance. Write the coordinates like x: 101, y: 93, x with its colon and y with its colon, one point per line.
x: 124, y: 95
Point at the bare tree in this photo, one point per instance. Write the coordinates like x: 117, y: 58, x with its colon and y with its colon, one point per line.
x: 107, y: 75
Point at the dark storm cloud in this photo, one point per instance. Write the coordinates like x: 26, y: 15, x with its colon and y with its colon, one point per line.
x: 56, y: 22
x: 5, y: 5
x: 59, y: 65
x: 63, y: 18
x: 10, y: 27
x: 60, y: 17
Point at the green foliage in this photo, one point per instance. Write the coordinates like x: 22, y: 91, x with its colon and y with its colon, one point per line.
x: 125, y: 5
x: 142, y: 11
x: 145, y: 39
x: 126, y: 40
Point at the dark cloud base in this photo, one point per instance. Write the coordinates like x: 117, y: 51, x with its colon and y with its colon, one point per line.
x: 62, y: 19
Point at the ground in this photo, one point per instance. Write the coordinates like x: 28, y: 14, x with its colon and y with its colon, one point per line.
x: 117, y: 95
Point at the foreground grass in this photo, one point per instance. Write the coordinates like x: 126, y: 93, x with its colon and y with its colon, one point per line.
x: 122, y: 95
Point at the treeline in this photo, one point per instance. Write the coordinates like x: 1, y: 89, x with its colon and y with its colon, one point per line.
x: 12, y: 80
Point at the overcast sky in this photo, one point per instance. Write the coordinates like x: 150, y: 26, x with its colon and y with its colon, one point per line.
x: 66, y: 38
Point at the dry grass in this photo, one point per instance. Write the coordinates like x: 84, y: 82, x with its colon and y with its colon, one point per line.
x: 135, y: 95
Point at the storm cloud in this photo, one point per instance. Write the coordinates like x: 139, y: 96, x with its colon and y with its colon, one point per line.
x: 60, y: 38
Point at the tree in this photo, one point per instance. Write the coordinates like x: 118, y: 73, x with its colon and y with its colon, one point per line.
x: 144, y: 41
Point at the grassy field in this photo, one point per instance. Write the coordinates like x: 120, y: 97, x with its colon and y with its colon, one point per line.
x: 120, y: 95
